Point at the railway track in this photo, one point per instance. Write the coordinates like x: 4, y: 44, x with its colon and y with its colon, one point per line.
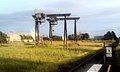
x: 97, y: 58
x: 105, y: 57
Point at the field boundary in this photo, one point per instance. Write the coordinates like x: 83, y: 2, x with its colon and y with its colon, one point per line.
x: 67, y: 67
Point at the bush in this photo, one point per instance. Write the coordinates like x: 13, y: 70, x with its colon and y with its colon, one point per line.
x: 3, y: 37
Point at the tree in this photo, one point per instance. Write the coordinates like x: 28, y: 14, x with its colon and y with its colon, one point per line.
x: 114, y: 35
x: 116, y: 40
x: 71, y: 37
x: 58, y: 38
x: 83, y: 36
x: 86, y: 36
x: 3, y: 37
x: 108, y: 36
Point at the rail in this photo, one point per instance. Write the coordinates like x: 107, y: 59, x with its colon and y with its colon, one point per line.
x: 87, y: 61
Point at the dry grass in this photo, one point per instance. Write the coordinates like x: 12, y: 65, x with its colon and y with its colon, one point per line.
x: 46, y: 58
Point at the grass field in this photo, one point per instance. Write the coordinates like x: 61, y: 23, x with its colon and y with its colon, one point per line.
x: 46, y: 58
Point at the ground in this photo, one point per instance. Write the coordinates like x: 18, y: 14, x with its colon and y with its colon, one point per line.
x: 20, y: 57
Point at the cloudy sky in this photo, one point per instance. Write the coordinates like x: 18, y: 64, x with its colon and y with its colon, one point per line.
x: 97, y: 16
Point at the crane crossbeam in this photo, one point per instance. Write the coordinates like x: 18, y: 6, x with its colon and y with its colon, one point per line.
x: 69, y: 18
x: 58, y: 15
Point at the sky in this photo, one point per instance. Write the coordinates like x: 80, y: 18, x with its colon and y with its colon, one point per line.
x: 96, y: 16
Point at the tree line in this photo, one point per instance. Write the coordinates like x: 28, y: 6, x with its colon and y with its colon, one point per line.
x: 84, y: 36
x: 110, y: 35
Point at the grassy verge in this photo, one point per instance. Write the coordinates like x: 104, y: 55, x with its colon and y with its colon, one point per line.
x: 118, y: 55
x: 69, y: 65
x: 46, y: 58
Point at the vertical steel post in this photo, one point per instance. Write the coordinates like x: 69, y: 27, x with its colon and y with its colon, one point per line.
x: 50, y: 31
x: 65, y: 32
x: 38, y: 20
x: 36, y: 32
x: 75, y: 31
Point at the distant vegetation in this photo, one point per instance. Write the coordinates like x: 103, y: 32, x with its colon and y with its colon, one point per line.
x: 26, y: 37
x: 3, y: 37
x: 109, y: 35
x: 83, y: 36
x: 54, y: 38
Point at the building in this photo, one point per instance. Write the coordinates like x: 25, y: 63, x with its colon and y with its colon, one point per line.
x: 14, y: 38
x: 28, y: 40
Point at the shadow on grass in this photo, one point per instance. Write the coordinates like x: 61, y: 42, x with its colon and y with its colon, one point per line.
x: 66, y: 49
x: 76, y: 49
x: 14, y: 65
x: 44, y: 45
x: 4, y: 45
x: 73, y: 44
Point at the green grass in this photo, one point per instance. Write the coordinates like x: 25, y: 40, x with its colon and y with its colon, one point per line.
x: 46, y: 58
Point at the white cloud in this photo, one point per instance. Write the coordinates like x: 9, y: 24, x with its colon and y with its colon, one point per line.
x: 95, y: 14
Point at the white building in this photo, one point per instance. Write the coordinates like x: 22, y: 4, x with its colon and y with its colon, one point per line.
x: 14, y: 38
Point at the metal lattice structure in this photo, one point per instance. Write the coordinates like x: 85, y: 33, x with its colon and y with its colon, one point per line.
x: 75, y: 21
x: 39, y: 18
x: 65, y: 24
x: 53, y: 19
